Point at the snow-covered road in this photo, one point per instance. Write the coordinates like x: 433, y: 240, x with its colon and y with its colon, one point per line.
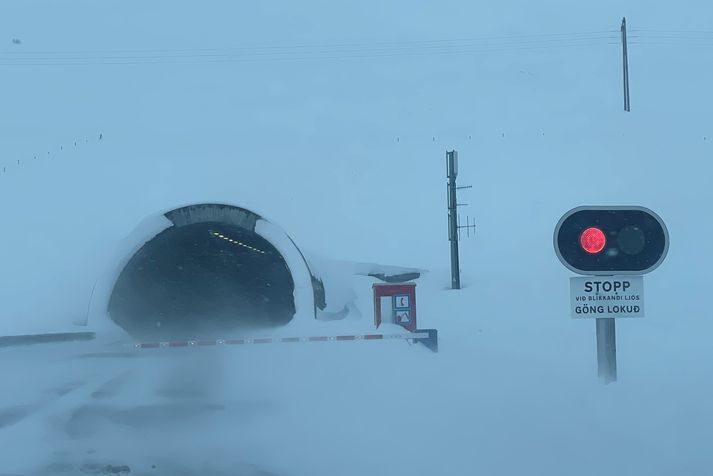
x: 493, y: 401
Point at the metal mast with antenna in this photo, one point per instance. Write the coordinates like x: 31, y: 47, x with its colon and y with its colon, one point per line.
x: 454, y: 226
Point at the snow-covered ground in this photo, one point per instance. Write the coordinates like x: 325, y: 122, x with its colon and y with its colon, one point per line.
x: 503, y: 396
x: 347, y: 155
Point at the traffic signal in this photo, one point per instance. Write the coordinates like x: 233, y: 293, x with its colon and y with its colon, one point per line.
x: 611, y: 240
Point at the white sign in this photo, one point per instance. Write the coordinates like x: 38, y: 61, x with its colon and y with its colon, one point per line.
x: 606, y: 296
x: 401, y: 301
x: 403, y: 317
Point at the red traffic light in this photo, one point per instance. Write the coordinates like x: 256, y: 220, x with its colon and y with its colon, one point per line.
x: 592, y: 240
x: 611, y: 240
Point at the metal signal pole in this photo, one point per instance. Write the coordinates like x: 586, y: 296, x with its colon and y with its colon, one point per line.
x: 454, y: 226
x: 606, y: 349
x: 452, y: 164
x: 627, y: 105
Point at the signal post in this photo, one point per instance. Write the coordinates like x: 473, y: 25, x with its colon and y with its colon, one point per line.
x: 613, y: 247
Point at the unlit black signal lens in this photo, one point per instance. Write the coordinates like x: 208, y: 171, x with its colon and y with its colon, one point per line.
x: 631, y: 240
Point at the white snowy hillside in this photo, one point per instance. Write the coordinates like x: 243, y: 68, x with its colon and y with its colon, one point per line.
x: 332, y: 121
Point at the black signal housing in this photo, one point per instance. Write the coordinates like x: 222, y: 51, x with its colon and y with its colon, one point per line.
x: 636, y: 240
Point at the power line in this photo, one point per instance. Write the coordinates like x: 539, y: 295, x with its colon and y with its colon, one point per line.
x: 310, y: 52
x: 355, y: 50
x: 286, y: 57
x: 481, y: 38
x: 673, y: 38
x: 231, y: 53
x: 645, y: 30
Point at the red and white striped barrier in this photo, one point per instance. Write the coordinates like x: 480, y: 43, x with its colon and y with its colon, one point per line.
x: 426, y: 336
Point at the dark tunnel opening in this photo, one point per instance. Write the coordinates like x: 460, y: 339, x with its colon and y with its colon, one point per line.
x: 203, y: 279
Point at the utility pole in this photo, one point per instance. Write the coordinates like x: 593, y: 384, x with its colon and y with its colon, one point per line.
x: 627, y: 105
x: 453, y: 219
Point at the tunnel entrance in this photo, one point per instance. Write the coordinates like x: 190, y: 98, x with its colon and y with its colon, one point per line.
x: 203, y: 279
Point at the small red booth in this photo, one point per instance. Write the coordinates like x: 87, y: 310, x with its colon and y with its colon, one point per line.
x: 395, y: 304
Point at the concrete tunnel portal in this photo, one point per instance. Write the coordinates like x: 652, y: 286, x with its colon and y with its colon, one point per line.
x: 207, y: 270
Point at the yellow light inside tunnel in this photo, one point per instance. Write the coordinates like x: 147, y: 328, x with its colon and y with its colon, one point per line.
x: 235, y: 242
